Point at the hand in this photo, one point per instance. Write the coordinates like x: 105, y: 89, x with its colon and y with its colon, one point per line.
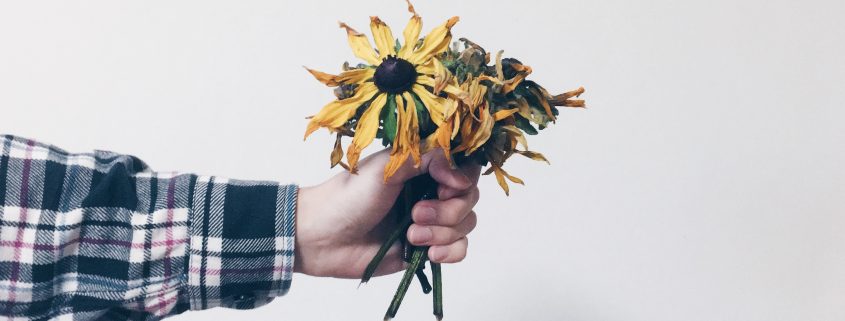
x: 341, y: 223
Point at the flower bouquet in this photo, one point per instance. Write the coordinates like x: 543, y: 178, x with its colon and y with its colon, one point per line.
x: 428, y: 93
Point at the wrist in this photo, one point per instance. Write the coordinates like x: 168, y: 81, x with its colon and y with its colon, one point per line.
x: 309, y: 244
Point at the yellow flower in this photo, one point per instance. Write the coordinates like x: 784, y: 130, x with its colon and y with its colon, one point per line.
x: 404, y: 77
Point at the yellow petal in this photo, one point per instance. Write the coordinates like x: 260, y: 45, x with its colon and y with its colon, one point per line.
x: 514, y: 132
x: 482, y: 133
x: 456, y: 125
x: 436, y: 42
x: 360, y: 45
x: 353, y: 76
x: 505, y: 113
x: 411, y: 33
x: 426, y: 68
x: 366, y: 130
x: 513, y: 178
x: 400, y: 151
x: 413, y: 129
x: 564, y: 99
x: 476, y: 94
x: 442, y: 76
x: 442, y: 137
x: 356, y: 76
x: 337, y: 153
x: 500, y: 74
x: 326, y: 79
x: 383, y: 37
x: 511, y: 84
x: 501, y: 179
x: 451, y: 108
x: 533, y: 155
x: 338, y: 112
x: 435, y: 105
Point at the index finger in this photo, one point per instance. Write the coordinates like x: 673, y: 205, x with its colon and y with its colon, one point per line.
x: 472, y: 171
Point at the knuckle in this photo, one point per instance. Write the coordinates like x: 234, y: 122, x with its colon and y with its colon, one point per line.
x: 475, y: 194
x: 472, y: 221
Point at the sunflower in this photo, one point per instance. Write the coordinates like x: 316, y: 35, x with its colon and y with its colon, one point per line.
x: 394, y: 89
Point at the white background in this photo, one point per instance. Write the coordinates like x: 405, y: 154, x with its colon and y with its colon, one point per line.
x: 704, y: 182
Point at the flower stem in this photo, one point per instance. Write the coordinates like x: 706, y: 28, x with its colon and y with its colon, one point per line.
x: 437, y: 275
x: 398, y: 232
x: 426, y: 287
x: 416, y: 259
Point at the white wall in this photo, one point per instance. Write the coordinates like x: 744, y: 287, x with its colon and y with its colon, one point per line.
x: 704, y: 182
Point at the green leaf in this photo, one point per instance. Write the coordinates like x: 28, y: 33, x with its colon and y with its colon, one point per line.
x: 389, y: 119
x: 398, y: 45
x: 426, y: 126
x: 524, y: 125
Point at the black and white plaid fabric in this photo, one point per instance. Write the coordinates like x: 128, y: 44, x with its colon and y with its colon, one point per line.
x: 101, y: 236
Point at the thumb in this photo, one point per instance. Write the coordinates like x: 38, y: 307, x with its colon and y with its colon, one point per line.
x: 433, y: 163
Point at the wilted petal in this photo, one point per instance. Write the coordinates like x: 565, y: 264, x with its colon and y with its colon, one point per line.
x: 500, y: 177
x: 564, y: 99
x: 436, y: 42
x: 505, y: 113
x: 366, y: 130
x: 413, y: 129
x: 347, y: 77
x: 383, y: 37
x: 442, y: 138
x: 360, y: 45
x: 411, y: 34
x: 511, y: 84
x: 533, y: 155
x: 516, y: 134
x: 435, y: 105
x: 482, y: 133
x: 338, y: 112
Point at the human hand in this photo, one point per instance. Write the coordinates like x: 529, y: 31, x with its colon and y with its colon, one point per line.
x: 342, y: 222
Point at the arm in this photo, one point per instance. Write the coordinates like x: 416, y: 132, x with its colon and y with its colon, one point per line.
x: 101, y: 235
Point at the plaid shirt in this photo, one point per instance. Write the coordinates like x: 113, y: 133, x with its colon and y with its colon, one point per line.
x: 101, y: 236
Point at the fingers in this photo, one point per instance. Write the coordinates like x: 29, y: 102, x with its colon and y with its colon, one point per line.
x: 444, y: 225
x: 472, y: 171
x: 441, y: 235
x: 443, y: 173
x: 452, y: 253
x: 449, y: 212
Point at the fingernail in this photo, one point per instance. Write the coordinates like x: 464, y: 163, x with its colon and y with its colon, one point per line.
x: 427, y: 215
x: 421, y: 235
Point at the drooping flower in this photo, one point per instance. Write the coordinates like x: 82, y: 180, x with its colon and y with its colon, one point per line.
x: 395, y: 88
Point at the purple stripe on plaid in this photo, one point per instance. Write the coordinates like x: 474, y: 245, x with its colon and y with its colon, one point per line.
x: 76, y: 241
x: 163, y: 303
x: 15, y: 274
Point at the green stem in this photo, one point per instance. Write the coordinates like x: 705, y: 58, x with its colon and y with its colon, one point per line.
x: 426, y: 287
x: 416, y: 260
x: 398, y: 232
x: 437, y: 275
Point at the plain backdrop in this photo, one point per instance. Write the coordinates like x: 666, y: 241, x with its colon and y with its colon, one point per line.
x: 704, y: 182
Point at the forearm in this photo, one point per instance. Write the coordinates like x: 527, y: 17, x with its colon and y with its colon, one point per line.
x: 101, y: 234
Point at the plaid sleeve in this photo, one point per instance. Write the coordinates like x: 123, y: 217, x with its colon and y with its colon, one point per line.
x: 101, y: 236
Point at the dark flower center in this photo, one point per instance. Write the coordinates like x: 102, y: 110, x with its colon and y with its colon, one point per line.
x: 395, y: 75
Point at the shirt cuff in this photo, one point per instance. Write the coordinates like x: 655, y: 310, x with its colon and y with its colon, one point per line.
x: 242, y: 242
